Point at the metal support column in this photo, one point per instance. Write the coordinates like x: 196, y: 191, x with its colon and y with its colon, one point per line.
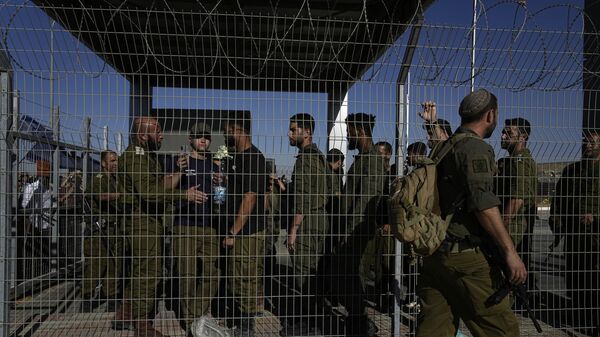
x: 401, y: 138
x: 14, y: 165
x: 5, y: 191
x: 55, y: 190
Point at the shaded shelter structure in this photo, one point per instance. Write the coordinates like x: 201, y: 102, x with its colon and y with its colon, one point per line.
x: 314, y: 46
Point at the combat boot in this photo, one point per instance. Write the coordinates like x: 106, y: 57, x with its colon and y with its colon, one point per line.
x: 143, y: 328
x: 123, y: 317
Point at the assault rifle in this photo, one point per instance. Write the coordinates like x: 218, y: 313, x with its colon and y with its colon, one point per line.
x: 518, y: 290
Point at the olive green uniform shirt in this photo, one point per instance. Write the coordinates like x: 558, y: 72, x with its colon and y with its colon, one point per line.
x: 142, y: 180
x: 466, y: 184
x: 517, y: 179
x: 577, y: 193
x: 102, y: 183
x: 310, y: 182
x: 364, y: 188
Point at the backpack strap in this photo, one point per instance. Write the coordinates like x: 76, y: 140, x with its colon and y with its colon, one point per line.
x: 441, y: 151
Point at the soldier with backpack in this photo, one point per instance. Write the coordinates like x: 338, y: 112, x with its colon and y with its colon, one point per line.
x: 457, y: 279
x: 309, y: 225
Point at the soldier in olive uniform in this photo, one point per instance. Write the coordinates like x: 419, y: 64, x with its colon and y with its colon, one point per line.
x: 456, y: 280
x: 310, y: 223
x: 146, y: 193
x: 575, y: 213
x: 516, y: 184
x: 102, y: 246
x: 360, y: 199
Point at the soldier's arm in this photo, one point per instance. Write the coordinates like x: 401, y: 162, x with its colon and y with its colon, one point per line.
x: 171, y: 181
x: 151, y: 186
x: 492, y: 223
x: 511, y: 208
x: 305, y: 174
x: 247, y: 206
x: 520, y: 187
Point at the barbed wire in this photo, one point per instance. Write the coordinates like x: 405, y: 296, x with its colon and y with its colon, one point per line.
x: 439, y: 60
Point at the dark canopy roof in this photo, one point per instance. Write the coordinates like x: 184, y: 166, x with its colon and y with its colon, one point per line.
x: 310, y: 46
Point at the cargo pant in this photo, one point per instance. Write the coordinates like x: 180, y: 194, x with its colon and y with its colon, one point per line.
x: 309, y: 247
x: 103, y: 252
x: 196, y: 250
x: 245, y: 272
x: 144, y: 234
x: 454, y: 286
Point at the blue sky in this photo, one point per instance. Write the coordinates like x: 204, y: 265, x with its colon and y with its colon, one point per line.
x: 515, y: 46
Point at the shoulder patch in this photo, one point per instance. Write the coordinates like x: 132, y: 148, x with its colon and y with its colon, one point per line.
x: 139, y: 150
x: 480, y: 166
x: 99, y: 175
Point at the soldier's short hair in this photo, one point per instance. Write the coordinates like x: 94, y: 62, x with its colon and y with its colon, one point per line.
x: 418, y: 148
x: 387, y: 146
x: 105, y: 154
x: 334, y: 155
x: 304, y: 120
x: 521, y: 123
x: 362, y: 121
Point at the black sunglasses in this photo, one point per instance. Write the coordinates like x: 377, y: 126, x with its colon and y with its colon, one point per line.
x: 205, y: 136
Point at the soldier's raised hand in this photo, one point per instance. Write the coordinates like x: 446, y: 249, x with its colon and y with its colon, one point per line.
x: 195, y: 195
x: 429, y: 113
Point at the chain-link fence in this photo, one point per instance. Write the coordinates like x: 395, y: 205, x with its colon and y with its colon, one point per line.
x: 159, y: 174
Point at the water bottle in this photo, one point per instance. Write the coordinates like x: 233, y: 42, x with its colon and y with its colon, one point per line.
x: 219, y: 188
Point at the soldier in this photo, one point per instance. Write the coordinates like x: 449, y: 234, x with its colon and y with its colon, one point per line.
x: 438, y: 130
x: 576, y: 211
x: 245, y: 237
x: 195, y: 237
x: 415, y: 153
x: 385, y: 149
x: 310, y: 223
x: 516, y: 185
x: 456, y: 280
x: 361, y: 195
x: 146, y: 193
x: 335, y: 161
x: 103, y: 246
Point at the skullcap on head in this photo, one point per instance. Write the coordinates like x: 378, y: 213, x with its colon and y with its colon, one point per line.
x: 474, y: 102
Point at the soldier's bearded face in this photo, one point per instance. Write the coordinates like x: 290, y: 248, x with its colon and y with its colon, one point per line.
x: 591, y: 146
x: 154, y: 137
x: 352, y: 138
x: 510, y: 137
x: 295, y: 134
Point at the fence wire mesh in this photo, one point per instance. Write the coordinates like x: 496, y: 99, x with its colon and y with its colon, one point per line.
x: 160, y: 174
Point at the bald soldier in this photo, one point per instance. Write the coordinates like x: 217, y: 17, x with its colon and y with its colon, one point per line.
x: 457, y: 279
x: 146, y: 194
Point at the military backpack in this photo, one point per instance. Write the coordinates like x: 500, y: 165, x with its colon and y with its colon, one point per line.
x: 415, y: 215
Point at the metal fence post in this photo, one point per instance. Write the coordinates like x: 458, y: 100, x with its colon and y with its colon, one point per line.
x: 55, y: 190
x: 5, y: 199
x: 14, y: 166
